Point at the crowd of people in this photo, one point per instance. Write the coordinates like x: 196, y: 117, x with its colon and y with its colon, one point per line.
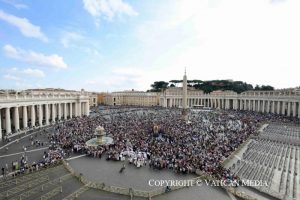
x: 161, y: 138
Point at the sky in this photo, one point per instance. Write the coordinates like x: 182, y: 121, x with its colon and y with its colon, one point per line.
x: 114, y: 45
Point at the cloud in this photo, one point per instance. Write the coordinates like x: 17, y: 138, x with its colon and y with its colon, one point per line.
x: 108, y: 9
x: 24, y: 25
x: 121, y: 78
x: 25, y: 73
x: 77, y: 40
x: 20, y: 78
x: 11, y: 77
x: 54, y: 61
x: 127, y: 72
x: 16, y: 4
x: 68, y: 37
x: 34, y: 73
x: 223, y: 40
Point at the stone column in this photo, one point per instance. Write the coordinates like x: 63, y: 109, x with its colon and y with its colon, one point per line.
x: 294, y: 109
x: 79, y: 109
x: 278, y: 107
x: 249, y: 105
x: 289, y: 109
x: 263, y: 106
x: 53, y: 112
x: 88, y: 108
x: 47, y: 114
x: 59, y: 111
x: 16, y: 118
x: 65, y: 110
x: 7, y: 120
x: 83, y: 108
x: 71, y: 110
x: 25, y: 119
x: 273, y: 107
x: 283, y: 108
x: 40, y: 115
x: 32, y: 115
x: 268, y: 106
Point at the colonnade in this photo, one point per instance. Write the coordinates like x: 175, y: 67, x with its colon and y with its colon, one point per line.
x: 15, y: 118
x: 287, y: 107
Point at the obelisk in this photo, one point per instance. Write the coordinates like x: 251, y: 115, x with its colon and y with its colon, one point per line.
x: 184, y: 87
x: 184, y: 95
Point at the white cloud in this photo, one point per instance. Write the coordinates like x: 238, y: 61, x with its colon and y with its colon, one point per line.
x: 255, y: 41
x: 16, y: 74
x: 24, y: 25
x: 121, y: 78
x: 108, y: 9
x: 34, y: 73
x: 11, y: 77
x: 70, y: 37
x: 16, y: 4
x: 54, y: 60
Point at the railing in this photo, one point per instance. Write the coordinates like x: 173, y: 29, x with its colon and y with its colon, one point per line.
x: 39, y: 97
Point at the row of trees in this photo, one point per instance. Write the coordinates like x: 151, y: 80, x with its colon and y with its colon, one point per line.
x: 209, y: 86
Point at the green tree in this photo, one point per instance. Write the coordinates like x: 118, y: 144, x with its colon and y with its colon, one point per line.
x: 158, y: 86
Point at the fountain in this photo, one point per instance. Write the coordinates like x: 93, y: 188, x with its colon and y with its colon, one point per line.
x: 100, y: 139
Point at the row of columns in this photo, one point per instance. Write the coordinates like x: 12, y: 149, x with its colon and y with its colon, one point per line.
x: 39, y: 115
x: 287, y: 108
x: 206, y: 102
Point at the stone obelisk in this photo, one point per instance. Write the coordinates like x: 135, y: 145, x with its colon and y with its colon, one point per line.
x: 184, y: 96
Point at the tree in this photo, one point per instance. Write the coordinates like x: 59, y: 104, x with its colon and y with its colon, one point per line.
x: 257, y: 87
x: 158, y: 86
x: 209, y: 86
x: 263, y: 88
x: 267, y: 87
x: 175, y: 82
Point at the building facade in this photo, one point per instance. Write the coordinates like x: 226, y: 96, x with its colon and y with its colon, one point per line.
x: 20, y: 111
x: 132, y: 98
x: 283, y: 102
x: 93, y: 97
